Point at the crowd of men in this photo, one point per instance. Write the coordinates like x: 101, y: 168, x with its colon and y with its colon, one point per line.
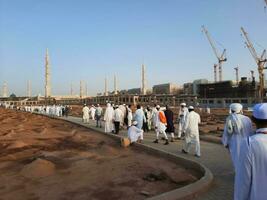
x: 247, y: 147
x: 159, y: 119
x: 51, y: 110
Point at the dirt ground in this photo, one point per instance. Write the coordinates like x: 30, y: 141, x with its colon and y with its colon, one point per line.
x: 42, y: 158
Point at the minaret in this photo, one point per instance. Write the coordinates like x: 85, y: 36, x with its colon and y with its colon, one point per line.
x: 71, y: 89
x: 143, y: 77
x: 115, y: 85
x: 106, y: 87
x: 81, y: 89
x: 47, y: 76
x: 86, y: 91
x: 5, y: 90
x: 236, y: 75
x: 29, y: 89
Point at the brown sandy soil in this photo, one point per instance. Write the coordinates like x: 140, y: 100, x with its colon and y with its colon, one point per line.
x: 43, y: 158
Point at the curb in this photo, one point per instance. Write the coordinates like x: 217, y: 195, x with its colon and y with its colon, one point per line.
x: 187, y: 192
x: 211, y: 139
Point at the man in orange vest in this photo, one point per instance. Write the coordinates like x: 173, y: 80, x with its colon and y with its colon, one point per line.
x: 160, y: 127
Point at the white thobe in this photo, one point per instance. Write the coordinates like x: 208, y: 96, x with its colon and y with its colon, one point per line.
x: 160, y: 127
x: 130, y: 117
x: 118, y: 115
x: 154, y: 117
x: 183, y: 112
x: 58, y: 108
x: 92, y: 111
x: 135, y: 133
x: 85, y: 113
x: 140, y: 118
x: 234, y: 140
x: 108, y: 118
x: 192, y: 132
x: 251, y: 176
x: 123, y: 110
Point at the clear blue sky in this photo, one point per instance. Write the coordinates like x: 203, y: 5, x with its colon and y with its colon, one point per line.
x: 92, y: 39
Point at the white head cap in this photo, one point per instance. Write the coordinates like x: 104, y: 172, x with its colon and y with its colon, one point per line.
x: 158, y: 106
x: 260, y: 111
x: 236, y: 107
x: 183, y: 104
x: 191, y: 108
x: 135, y: 123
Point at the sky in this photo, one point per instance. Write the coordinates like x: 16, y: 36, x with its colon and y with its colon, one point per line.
x: 93, y: 39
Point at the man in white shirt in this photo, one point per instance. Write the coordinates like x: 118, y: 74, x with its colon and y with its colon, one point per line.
x: 118, y: 116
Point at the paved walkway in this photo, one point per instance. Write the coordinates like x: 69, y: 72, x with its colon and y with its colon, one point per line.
x: 214, y: 156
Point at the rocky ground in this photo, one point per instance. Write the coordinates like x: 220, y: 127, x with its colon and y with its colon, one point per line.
x: 42, y: 158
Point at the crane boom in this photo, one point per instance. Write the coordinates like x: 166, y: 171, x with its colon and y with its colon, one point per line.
x: 221, y: 58
x: 249, y: 44
x: 211, y: 42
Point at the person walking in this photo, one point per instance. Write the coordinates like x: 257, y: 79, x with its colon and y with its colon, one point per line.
x: 109, y: 118
x: 251, y: 173
x: 237, y: 127
x: 181, y: 119
x: 192, y: 131
x: 98, y: 114
x: 160, y: 127
x: 118, y: 116
x: 170, y: 126
x: 139, y: 117
x: 85, y: 112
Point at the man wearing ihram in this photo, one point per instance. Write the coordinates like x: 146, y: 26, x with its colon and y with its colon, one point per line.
x: 251, y: 172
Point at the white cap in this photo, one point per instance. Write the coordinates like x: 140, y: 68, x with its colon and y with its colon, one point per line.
x: 236, y: 107
x: 157, y: 106
x: 260, y: 111
x: 183, y: 104
x: 191, y: 108
x: 135, y: 123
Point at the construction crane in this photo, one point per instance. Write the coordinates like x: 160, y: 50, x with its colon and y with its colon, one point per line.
x: 260, y: 60
x: 221, y: 58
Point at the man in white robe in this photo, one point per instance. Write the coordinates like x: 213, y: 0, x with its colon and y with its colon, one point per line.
x: 181, y: 119
x: 85, y: 112
x: 139, y: 117
x: 251, y: 173
x: 92, y: 112
x: 192, y: 131
x: 237, y: 127
x: 134, y: 133
x: 154, y: 116
x: 109, y: 119
x: 123, y: 110
x: 160, y: 127
x: 129, y: 116
x: 118, y: 118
